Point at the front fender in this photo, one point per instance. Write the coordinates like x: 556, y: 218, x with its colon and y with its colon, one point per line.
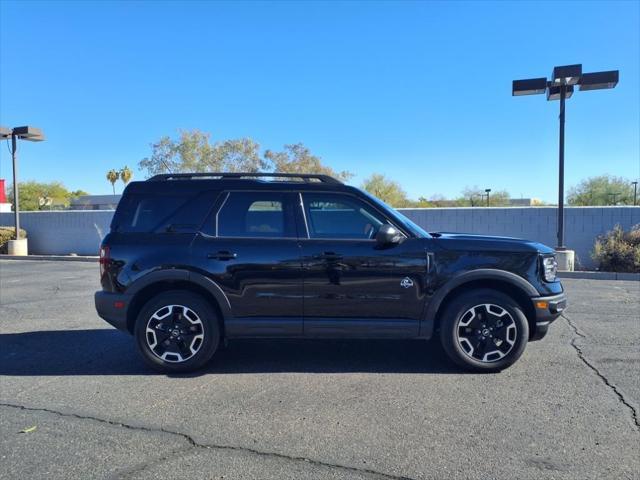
x: 429, y: 319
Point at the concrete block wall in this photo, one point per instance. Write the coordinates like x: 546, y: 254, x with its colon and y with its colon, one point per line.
x: 80, y: 231
x: 63, y: 232
x: 582, y: 224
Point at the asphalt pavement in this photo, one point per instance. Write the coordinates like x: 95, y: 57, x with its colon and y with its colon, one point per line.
x: 568, y: 409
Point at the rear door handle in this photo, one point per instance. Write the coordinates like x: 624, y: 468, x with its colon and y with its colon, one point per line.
x: 223, y: 255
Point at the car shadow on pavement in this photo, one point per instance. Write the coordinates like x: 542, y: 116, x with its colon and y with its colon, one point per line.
x: 109, y: 352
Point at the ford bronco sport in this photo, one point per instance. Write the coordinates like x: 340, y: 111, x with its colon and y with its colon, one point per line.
x: 193, y: 260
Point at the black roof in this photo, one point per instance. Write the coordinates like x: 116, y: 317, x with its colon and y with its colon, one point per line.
x: 176, y: 183
x: 256, y: 176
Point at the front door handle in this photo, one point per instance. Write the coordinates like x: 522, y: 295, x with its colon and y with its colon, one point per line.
x: 223, y: 255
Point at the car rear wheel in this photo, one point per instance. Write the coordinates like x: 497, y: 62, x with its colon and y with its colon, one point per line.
x: 484, y: 330
x: 177, y: 331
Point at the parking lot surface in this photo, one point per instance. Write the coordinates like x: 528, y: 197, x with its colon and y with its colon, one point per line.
x: 569, y: 408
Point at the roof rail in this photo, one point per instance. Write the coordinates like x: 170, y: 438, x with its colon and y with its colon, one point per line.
x: 305, y: 177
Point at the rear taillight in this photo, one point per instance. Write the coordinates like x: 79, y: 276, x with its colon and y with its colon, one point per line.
x: 104, y: 259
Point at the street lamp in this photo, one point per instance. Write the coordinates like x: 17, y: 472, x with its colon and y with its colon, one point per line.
x: 635, y: 193
x: 31, y: 134
x: 487, y: 190
x: 614, y: 195
x: 560, y: 87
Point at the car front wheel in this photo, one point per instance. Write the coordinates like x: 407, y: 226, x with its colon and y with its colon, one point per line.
x: 484, y: 330
x: 177, y: 331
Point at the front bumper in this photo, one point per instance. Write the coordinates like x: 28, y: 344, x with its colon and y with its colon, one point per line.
x: 112, y: 307
x: 547, y: 310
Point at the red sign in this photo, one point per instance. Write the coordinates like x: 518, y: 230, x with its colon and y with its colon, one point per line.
x: 3, y: 196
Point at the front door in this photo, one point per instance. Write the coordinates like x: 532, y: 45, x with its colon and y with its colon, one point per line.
x: 254, y: 257
x: 352, y: 286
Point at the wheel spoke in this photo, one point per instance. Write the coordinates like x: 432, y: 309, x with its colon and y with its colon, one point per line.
x: 174, y: 333
x: 486, y: 332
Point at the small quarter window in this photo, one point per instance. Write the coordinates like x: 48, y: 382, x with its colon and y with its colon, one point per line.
x: 255, y: 214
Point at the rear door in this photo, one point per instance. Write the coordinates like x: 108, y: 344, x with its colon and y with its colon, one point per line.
x: 254, y: 256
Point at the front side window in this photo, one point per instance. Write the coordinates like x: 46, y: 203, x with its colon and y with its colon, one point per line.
x: 255, y: 214
x: 340, y: 216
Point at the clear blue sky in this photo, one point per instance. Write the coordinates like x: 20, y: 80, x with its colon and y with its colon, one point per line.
x: 418, y: 91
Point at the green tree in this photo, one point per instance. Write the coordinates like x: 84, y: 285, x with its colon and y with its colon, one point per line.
x: 297, y: 158
x: 193, y: 151
x: 77, y: 193
x: 423, y: 202
x: 601, y: 190
x: 30, y: 193
x: 387, y: 190
x: 112, y: 176
x: 125, y: 175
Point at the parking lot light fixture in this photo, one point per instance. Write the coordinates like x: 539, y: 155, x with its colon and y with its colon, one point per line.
x: 532, y: 86
x: 599, y: 80
x: 566, y: 75
x: 560, y: 87
x: 30, y: 134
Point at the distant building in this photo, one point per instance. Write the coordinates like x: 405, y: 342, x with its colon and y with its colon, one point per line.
x: 4, y: 205
x: 524, y: 202
x: 95, y: 202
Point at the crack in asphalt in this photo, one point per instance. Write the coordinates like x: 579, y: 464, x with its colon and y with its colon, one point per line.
x: 195, y: 445
x: 142, y: 466
x: 578, y: 334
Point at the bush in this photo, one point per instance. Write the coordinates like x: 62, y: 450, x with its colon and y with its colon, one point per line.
x: 6, y: 234
x: 618, y: 251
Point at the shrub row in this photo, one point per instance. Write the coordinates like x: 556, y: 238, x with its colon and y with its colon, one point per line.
x: 618, y: 251
x: 6, y: 234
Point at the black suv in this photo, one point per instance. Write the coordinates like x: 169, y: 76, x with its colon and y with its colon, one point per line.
x: 193, y: 260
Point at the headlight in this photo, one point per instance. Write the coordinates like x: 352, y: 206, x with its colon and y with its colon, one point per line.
x: 550, y: 268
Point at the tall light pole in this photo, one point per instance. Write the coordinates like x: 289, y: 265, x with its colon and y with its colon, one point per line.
x: 614, y: 195
x: 560, y: 87
x: 635, y: 193
x: 30, y: 134
x: 487, y: 190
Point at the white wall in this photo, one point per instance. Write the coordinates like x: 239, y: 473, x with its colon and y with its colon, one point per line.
x: 64, y: 232
x: 582, y: 224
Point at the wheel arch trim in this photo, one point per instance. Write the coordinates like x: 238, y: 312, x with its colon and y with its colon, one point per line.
x: 187, y: 276
x: 429, y: 318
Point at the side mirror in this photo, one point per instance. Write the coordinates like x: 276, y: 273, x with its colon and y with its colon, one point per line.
x: 388, y: 235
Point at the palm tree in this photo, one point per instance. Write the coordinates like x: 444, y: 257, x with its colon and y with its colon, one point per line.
x: 125, y: 175
x: 112, y: 176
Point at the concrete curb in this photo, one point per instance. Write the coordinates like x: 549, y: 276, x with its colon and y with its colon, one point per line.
x: 600, y: 275
x: 53, y: 258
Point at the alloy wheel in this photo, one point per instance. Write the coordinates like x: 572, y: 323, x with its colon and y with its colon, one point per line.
x: 174, y: 333
x: 486, y: 332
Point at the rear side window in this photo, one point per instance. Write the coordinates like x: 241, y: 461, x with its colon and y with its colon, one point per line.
x: 256, y: 214
x: 146, y: 212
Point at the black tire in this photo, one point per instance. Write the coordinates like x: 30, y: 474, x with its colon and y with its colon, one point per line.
x: 488, y: 333
x: 185, y: 350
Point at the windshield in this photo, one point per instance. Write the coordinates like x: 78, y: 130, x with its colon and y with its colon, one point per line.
x: 414, y: 228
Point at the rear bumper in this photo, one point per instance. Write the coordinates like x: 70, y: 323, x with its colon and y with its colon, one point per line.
x: 547, y: 310
x: 112, y: 307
